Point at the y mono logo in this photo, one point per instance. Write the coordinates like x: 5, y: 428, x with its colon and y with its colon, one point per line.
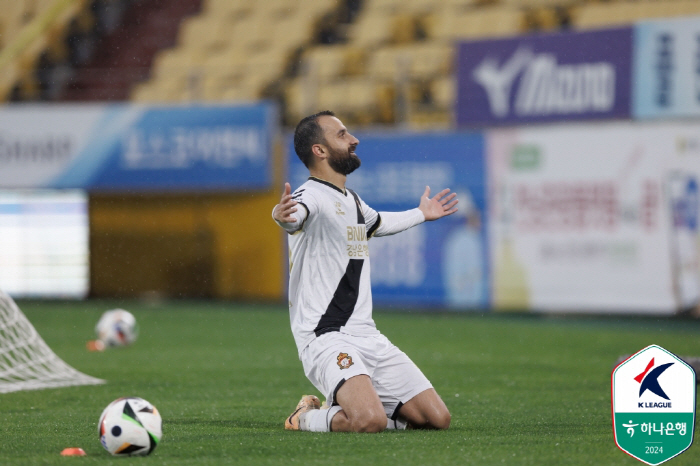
x: 546, y: 87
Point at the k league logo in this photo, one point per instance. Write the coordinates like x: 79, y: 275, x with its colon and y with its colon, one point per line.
x: 653, y: 404
x: 651, y: 382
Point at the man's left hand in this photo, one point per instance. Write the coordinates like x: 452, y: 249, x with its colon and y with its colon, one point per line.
x: 441, y: 205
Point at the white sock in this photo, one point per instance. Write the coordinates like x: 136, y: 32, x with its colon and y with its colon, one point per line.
x: 395, y: 424
x: 318, y: 420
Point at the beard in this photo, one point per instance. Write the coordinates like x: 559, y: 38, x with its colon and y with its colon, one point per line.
x: 343, y: 162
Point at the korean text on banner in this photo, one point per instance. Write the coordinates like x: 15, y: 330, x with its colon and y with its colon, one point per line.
x: 137, y: 148
x: 667, y: 68
x: 582, y: 220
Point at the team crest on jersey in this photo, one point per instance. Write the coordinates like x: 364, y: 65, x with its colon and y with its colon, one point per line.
x: 339, y: 208
x: 344, y: 361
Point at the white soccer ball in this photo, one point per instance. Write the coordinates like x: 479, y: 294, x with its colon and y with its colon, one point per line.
x: 130, y: 427
x: 117, y: 328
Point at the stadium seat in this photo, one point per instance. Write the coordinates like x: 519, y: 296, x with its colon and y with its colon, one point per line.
x: 383, y: 7
x: 327, y: 63
x: 227, y: 9
x: 597, y: 15
x: 169, y: 89
x: 543, y: 19
x: 539, y: 3
x: 204, y: 33
x: 492, y: 21
x: 444, y: 93
x: 422, y: 60
x: 297, y: 102
x: 176, y: 62
x: 14, y: 16
x: 373, y: 30
x: 431, y: 59
x: 390, y: 63
x: 419, y: 7
x: 358, y: 100
x: 431, y: 104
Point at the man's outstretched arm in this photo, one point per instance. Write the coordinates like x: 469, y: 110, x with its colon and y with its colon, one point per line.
x: 441, y: 205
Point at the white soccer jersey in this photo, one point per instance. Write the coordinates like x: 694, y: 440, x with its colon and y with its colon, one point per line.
x: 329, y: 276
x: 329, y: 260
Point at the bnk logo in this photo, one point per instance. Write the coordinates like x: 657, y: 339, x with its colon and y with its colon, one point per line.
x: 653, y: 404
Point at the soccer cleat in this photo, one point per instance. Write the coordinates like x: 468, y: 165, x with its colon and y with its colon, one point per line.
x: 307, y: 403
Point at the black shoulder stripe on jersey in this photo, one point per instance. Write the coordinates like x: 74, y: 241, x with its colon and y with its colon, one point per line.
x: 360, y: 215
x: 344, y: 299
x: 371, y: 231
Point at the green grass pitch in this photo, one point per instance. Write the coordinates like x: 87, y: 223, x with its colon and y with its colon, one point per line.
x: 522, y: 389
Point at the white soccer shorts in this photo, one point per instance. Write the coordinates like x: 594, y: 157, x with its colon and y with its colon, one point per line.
x: 335, y: 357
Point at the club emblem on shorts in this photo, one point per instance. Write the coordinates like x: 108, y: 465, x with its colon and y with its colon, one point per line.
x: 344, y: 361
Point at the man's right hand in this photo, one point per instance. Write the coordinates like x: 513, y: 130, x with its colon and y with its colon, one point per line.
x: 287, y: 206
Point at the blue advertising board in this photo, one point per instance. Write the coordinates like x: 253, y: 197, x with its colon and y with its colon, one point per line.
x: 441, y: 263
x: 667, y: 68
x: 544, y: 77
x: 138, y: 148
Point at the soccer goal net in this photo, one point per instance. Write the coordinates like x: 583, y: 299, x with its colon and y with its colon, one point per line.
x: 26, y: 361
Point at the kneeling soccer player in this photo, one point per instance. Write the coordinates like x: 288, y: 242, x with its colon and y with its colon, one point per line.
x: 370, y: 385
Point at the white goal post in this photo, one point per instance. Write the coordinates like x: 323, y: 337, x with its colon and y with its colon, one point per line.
x: 26, y: 361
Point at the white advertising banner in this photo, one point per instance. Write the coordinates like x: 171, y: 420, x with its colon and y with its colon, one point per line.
x: 137, y: 148
x: 596, y: 217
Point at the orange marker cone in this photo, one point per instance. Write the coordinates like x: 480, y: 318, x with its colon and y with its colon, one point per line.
x: 73, y: 452
x: 95, y: 345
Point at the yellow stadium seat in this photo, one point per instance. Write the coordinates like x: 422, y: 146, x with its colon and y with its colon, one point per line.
x: 539, y: 3
x: 290, y: 33
x: 431, y: 59
x: 370, y: 30
x: 677, y: 8
x: 409, y: 62
x: 390, y: 64
x: 176, y: 62
x: 240, y: 93
x: 297, y: 102
x: 495, y: 21
x: 156, y: 92
x: 383, y: 7
x: 15, y: 15
x: 370, y: 102
x: 228, y: 9
x: 598, y: 15
x: 422, y: 6
x: 204, y: 33
x: 326, y: 63
x: 444, y: 92
x: 264, y: 68
x: 543, y: 19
